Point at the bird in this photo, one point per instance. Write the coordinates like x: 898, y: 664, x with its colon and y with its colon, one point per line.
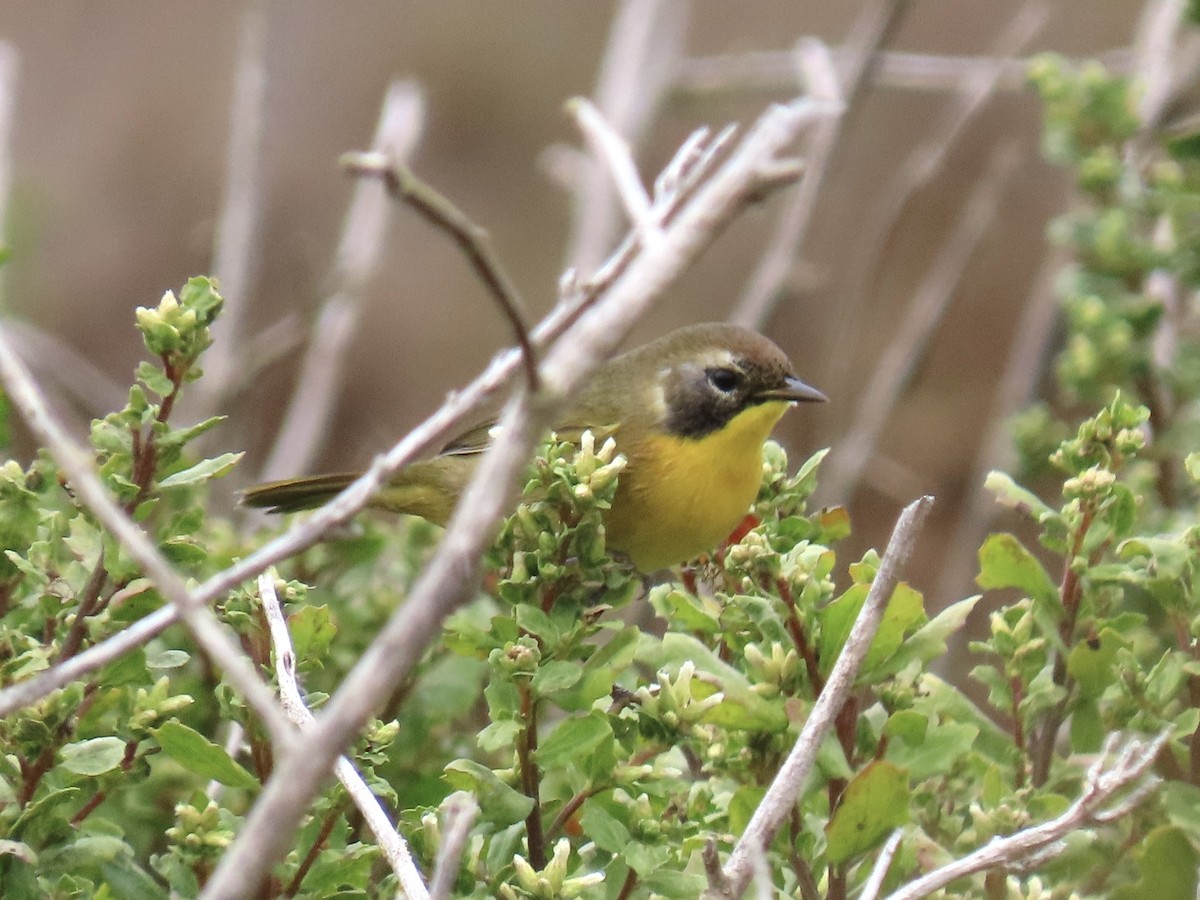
x: 690, y: 412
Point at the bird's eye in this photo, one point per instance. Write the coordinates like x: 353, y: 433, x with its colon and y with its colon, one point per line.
x: 724, y: 380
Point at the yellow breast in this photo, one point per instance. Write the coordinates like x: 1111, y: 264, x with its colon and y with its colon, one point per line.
x: 680, y: 497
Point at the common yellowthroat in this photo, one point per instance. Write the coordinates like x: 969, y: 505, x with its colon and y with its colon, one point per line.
x: 690, y: 412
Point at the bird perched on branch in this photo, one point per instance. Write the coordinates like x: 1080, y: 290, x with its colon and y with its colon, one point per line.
x: 689, y: 411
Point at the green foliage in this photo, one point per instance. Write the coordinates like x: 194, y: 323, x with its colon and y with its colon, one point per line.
x: 602, y: 755
x: 607, y: 756
x: 1096, y: 631
x: 86, y: 782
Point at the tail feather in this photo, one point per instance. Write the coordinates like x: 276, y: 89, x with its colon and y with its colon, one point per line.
x: 428, y: 489
x: 295, y: 494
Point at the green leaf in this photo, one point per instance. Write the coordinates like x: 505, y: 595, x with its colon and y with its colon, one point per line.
x: 1012, y: 495
x: 1192, y: 463
x: 601, y: 671
x: 450, y: 687
x: 831, y: 760
x: 873, y: 805
x: 93, y: 757
x: 203, y: 471
x: 1087, y: 727
x: 1094, y: 664
x: 602, y: 827
x: 37, y: 822
x: 908, y: 725
x: 167, y: 659
x: 154, y: 378
x: 198, y: 754
x: 1004, y: 562
x: 1182, y: 804
x: 556, y: 675
x: 199, y: 294
x: 1167, y: 862
x: 904, y: 610
x: 945, y: 745
x: 312, y: 631
x: 497, y: 735
x: 84, y: 542
x: 684, y: 610
x: 574, y: 739
x: 647, y: 858
x: 498, y: 803
x: 742, y: 806
x: 929, y: 641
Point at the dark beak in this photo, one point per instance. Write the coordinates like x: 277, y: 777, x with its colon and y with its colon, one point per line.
x: 793, y: 391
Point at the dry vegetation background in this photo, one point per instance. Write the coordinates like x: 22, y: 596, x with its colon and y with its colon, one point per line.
x: 119, y: 147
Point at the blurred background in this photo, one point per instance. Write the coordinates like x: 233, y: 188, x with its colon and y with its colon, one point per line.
x: 921, y: 268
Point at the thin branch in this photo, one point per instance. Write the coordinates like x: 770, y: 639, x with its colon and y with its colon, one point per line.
x: 1155, y: 59
x: 693, y: 162
x: 10, y: 67
x: 916, y: 171
x: 461, y: 811
x: 780, y: 797
x: 775, y: 70
x: 644, y: 47
x: 391, y: 844
x: 876, y: 22
x: 471, y: 239
x: 310, y: 411
x: 883, y: 862
x: 459, y: 408
x: 51, y: 358
x: 450, y: 577
x: 894, y: 369
x: 203, y: 624
x: 760, y: 874
x: 1092, y: 807
x: 434, y: 431
x: 614, y: 151
x: 236, y: 253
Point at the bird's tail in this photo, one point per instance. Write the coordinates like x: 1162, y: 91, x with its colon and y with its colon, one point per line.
x: 295, y: 494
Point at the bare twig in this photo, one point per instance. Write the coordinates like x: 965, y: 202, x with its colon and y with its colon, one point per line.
x: 692, y: 164
x: 459, y: 408
x: 675, y: 185
x: 237, y: 239
x: 930, y: 301
x: 1095, y: 805
x: 781, y: 796
x: 614, y: 151
x: 917, y: 170
x: 882, y: 863
x: 461, y: 810
x: 1155, y: 58
x: 876, y: 22
x: 203, y: 624
x: 644, y: 46
x: 774, y: 70
x: 308, y: 416
x: 470, y: 238
x: 391, y: 844
x: 52, y: 358
x: 10, y: 66
x: 760, y: 874
x: 450, y: 577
